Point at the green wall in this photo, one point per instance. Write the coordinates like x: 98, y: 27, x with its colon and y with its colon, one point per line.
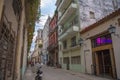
x: 75, y: 67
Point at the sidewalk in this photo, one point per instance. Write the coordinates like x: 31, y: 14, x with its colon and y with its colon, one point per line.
x: 29, y: 75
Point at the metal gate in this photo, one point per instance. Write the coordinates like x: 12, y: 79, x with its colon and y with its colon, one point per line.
x: 6, y: 49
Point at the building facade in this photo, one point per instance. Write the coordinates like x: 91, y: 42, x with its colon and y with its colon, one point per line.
x: 37, y: 53
x: 53, y: 41
x: 100, y: 48
x: 13, y: 39
x: 10, y: 26
x: 74, y: 15
x: 46, y: 40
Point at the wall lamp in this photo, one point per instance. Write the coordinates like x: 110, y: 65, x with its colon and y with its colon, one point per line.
x: 80, y: 41
x: 112, y: 30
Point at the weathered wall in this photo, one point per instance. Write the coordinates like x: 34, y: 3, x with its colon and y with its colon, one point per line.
x: 115, y: 40
x: 100, y: 8
x: 1, y: 7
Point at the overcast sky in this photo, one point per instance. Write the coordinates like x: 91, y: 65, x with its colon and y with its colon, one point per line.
x: 47, y: 9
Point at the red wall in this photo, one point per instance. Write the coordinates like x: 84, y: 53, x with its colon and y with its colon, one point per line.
x: 53, y: 37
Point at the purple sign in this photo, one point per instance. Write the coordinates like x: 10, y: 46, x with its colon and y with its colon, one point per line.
x: 103, y: 40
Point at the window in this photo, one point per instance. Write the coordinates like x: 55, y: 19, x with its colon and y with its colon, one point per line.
x: 76, y: 60
x: 65, y: 44
x: 92, y: 15
x: 17, y: 6
x: 101, y: 40
x: 115, y: 4
x: 73, y: 41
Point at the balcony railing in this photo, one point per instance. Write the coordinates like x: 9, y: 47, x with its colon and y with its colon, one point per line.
x: 66, y: 28
x: 66, y: 9
x: 52, y: 46
x: 69, y: 48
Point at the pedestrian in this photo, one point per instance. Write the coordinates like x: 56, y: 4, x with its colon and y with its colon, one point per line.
x: 32, y: 64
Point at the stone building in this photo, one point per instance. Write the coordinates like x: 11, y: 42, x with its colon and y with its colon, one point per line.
x: 73, y: 16
x: 45, y: 39
x: 53, y: 40
x: 15, y: 38
x: 100, y: 46
x: 37, y: 53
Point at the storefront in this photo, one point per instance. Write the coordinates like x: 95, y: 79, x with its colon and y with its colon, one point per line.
x: 103, y: 56
x: 100, y: 46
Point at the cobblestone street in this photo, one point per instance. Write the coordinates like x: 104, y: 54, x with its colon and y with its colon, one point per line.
x: 50, y: 73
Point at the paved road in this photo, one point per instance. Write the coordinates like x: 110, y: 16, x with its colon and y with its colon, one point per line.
x: 60, y: 74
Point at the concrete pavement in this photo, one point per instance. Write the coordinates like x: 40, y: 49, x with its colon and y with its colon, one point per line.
x: 61, y: 74
x: 50, y: 73
x: 30, y: 74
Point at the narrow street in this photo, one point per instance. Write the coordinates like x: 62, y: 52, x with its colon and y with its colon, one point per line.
x: 70, y: 39
x: 51, y: 73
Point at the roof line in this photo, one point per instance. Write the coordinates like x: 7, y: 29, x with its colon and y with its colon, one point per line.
x: 106, y: 18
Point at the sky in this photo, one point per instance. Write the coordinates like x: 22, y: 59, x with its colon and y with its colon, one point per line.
x: 47, y: 9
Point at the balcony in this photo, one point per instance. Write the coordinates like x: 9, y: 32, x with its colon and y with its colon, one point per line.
x: 76, y: 47
x: 72, y: 8
x: 62, y: 4
x: 68, y: 31
x: 52, y: 46
x: 58, y: 3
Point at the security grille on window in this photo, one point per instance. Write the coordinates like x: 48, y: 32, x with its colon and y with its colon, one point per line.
x: 76, y: 60
x: 73, y: 41
x: 17, y: 6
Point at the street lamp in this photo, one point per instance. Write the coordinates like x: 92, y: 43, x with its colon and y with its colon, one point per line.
x: 112, y: 30
x: 80, y: 41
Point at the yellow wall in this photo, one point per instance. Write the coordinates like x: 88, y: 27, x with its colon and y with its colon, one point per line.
x: 1, y: 7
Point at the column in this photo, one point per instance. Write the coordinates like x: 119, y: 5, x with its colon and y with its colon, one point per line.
x: 113, y: 63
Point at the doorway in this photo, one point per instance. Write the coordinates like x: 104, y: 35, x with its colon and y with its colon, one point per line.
x: 67, y: 62
x: 103, y: 63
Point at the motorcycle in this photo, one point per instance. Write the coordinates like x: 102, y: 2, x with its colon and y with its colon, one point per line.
x: 39, y: 75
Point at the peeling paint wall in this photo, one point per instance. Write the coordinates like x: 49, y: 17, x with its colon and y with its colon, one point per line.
x: 100, y: 8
